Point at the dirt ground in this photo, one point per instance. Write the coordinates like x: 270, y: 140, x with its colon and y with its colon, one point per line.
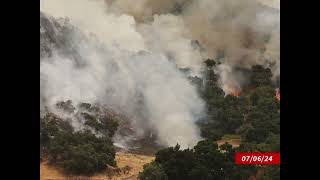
x: 123, y: 159
x: 134, y: 161
x: 233, y: 142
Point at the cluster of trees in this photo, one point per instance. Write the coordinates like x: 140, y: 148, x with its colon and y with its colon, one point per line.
x: 78, y: 152
x: 81, y: 152
x: 254, y: 115
x: 205, y: 161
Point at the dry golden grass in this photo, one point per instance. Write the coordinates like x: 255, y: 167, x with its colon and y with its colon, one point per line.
x: 233, y: 140
x: 123, y: 159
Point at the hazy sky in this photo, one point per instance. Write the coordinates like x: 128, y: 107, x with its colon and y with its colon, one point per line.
x: 272, y: 3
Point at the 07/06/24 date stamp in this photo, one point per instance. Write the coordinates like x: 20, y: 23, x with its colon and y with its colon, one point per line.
x: 257, y: 158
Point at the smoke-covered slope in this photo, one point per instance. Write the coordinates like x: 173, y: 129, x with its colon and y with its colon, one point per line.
x: 146, y: 87
x: 128, y: 57
x: 156, y: 74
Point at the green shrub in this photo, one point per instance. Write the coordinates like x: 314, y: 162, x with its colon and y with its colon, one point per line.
x: 81, y: 152
x: 152, y: 171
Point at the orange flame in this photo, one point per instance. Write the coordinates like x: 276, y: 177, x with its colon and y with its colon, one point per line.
x: 229, y: 90
x: 235, y: 93
x: 277, y: 96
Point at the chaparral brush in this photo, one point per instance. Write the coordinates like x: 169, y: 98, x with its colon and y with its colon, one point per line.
x: 168, y: 78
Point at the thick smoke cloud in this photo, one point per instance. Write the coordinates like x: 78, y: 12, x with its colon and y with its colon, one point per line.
x: 243, y: 32
x: 126, y: 70
x: 130, y: 62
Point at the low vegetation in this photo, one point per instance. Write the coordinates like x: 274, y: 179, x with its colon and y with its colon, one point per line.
x: 81, y: 152
x: 253, y: 115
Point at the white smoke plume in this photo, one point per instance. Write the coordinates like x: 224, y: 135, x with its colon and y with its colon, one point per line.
x: 133, y: 69
x: 244, y: 32
x: 128, y: 70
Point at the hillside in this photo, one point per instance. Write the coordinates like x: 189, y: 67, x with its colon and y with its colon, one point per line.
x: 123, y: 159
x: 188, y: 82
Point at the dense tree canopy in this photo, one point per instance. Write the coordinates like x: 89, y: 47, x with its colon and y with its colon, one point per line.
x: 205, y: 161
x: 260, y: 76
x: 153, y: 171
x: 254, y: 115
x: 83, y: 151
